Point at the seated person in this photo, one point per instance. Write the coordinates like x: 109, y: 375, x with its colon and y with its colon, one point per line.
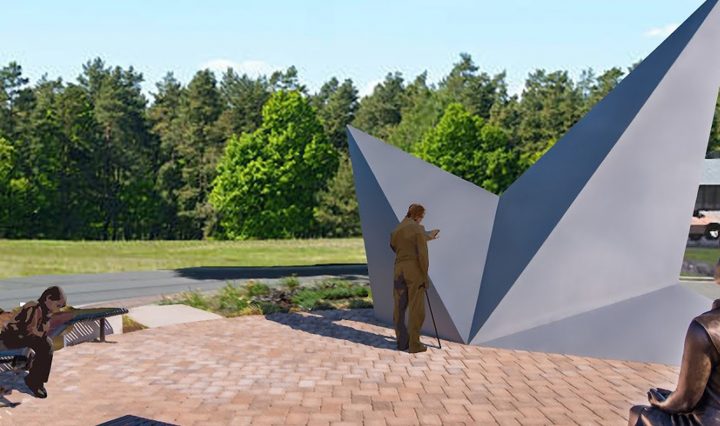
x: 29, y: 328
x: 696, y: 400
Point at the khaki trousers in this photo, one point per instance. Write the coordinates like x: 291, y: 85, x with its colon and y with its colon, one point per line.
x: 408, y: 291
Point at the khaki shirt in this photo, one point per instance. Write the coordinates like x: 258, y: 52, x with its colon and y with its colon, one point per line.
x: 409, y: 242
x: 30, y: 321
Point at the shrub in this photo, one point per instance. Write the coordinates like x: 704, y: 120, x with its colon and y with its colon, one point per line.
x: 269, y: 307
x: 195, y: 299
x: 290, y: 283
x: 253, y: 289
x: 231, y: 299
x: 360, y: 304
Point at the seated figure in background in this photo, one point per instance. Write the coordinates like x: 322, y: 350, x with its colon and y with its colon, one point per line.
x: 29, y: 328
x: 696, y: 400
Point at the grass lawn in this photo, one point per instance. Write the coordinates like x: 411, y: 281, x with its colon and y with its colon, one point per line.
x: 35, y: 257
x: 700, y: 254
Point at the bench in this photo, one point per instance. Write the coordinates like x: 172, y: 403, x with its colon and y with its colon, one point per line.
x: 66, y: 328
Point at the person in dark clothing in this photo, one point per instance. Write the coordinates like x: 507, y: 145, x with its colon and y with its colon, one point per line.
x: 29, y: 328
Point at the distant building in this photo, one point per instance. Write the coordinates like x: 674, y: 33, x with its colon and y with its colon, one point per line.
x: 708, y: 197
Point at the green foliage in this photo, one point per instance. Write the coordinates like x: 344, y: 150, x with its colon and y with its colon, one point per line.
x: 360, y: 304
x: 550, y: 105
x: 6, y: 167
x: 269, y: 307
x: 423, y: 108
x: 247, y: 299
x: 290, y: 283
x: 255, y: 157
x: 232, y: 298
x: 195, y: 299
x: 463, y: 144
x: 477, y: 91
x: 198, y: 154
x: 337, y: 211
x: 243, y: 98
x: 380, y: 112
x: 336, y: 105
x: 317, y: 297
x: 166, y: 126
x: 253, y: 289
x: 267, y: 180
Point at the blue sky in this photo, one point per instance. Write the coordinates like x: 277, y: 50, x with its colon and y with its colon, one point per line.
x: 362, y: 40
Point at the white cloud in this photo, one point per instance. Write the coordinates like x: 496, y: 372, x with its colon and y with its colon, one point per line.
x: 253, y: 68
x: 368, y: 88
x: 661, y: 32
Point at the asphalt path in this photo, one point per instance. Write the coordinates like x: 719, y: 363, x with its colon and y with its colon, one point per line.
x: 94, y: 288
x: 89, y: 289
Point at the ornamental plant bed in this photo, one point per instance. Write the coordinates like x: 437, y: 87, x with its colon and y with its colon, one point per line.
x: 258, y: 298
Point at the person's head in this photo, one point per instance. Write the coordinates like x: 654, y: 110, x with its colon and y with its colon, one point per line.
x: 416, y: 212
x: 53, y: 298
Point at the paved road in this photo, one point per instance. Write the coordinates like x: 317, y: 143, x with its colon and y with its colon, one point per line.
x: 93, y: 288
x: 121, y: 286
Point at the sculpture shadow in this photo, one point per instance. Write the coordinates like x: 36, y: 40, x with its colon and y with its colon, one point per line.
x: 130, y: 420
x: 324, y: 323
x: 224, y: 273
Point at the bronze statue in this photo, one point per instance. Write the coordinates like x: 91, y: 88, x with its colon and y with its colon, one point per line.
x: 409, y: 242
x: 696, y: 400
x: 29, y: 328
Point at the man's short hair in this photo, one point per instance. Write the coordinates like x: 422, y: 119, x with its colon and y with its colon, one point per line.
x: 415, y: 211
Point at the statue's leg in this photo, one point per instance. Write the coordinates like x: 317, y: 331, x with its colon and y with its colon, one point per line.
x: 635, y: 414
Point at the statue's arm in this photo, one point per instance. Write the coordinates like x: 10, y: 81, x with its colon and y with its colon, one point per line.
x: 694, y: 372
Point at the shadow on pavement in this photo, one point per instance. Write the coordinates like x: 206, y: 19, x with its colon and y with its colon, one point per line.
x: 9, y: 381
x: 348, y: 270
x: 324, y: 323
x: 134, y: 421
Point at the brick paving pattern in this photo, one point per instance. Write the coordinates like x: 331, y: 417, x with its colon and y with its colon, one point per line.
x: 323, y: 368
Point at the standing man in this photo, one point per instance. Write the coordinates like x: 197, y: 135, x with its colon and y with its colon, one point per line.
x: 30, y: 329
x: 410, y: 281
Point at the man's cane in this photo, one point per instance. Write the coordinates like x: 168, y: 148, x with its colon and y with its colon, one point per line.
x: 433, y: 319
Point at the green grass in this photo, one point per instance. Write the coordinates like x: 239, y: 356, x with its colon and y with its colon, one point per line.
x: 20, y: 258
x: 705, y: 255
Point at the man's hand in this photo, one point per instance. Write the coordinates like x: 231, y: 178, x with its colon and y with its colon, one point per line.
x: 434, y: 234
x: 656, y: 397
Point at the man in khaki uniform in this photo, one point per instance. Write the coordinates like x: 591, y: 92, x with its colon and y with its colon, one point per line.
x: 409, y: 242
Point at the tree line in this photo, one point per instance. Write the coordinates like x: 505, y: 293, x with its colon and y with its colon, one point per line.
x: 240, y: 157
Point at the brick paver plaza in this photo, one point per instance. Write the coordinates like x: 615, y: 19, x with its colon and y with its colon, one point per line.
x: 323, y: 368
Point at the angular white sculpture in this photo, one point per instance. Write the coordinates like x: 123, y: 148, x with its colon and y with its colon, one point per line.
x: 581, y: 254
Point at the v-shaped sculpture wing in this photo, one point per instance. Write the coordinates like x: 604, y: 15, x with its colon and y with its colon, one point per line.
x: 581, y: 254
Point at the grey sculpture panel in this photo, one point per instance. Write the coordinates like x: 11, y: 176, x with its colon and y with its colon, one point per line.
x: 587, y: 236
x: 463, y: 212
x: 647, y: 328
x: 378, y: 220
x: 625, y: 232
x: 532, y: 207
